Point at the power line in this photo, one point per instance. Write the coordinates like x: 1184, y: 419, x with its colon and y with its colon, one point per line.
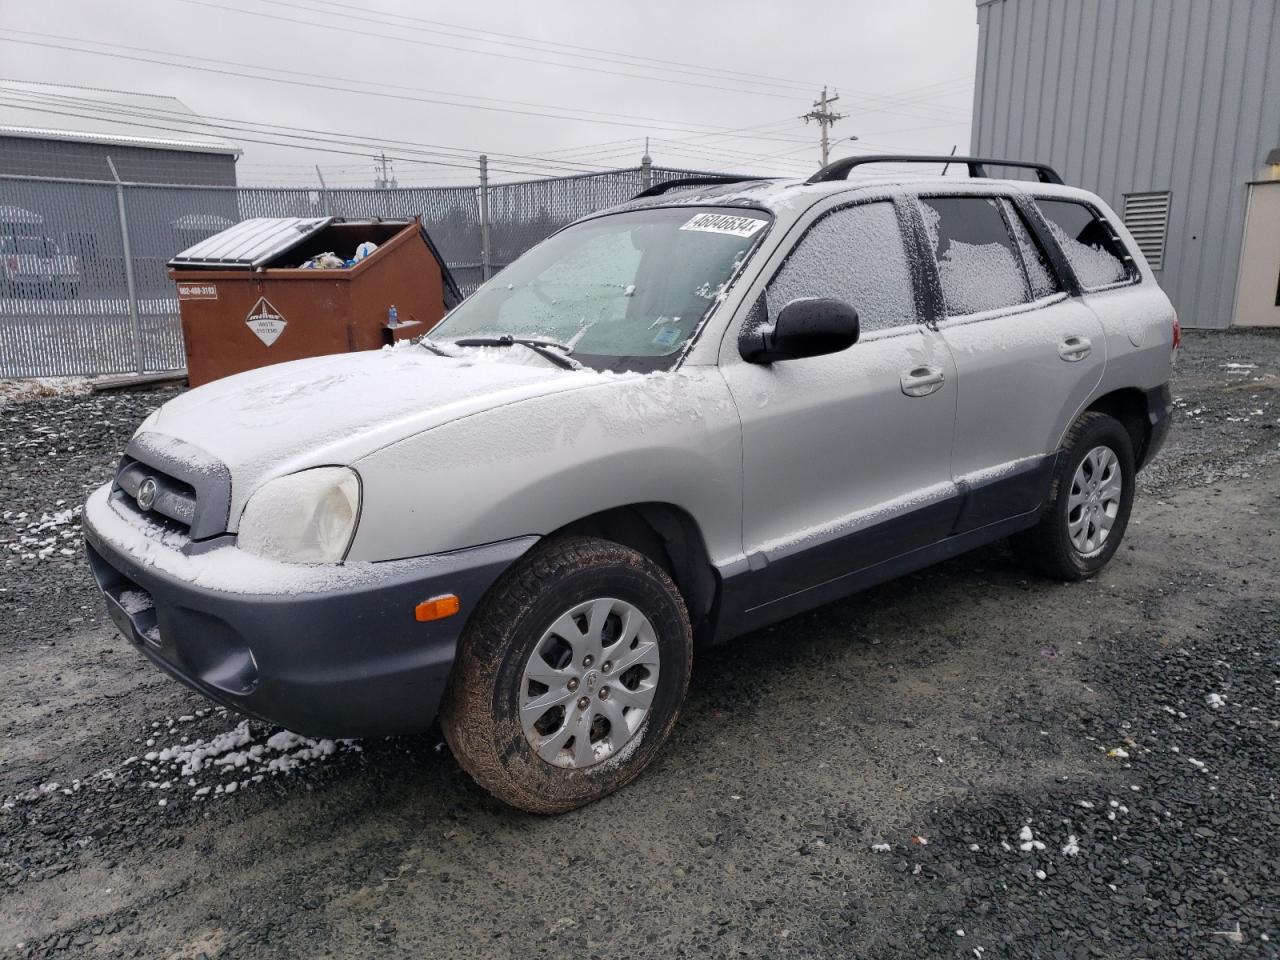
x: 539, y: 46
x: 114, y: 110
x: 349, y: 86
x: 279, y: 143
x: 347, y: 29
x: 350, y: 30
x: 350, y: 83
x: 790, y: 86
x: 751, y: 76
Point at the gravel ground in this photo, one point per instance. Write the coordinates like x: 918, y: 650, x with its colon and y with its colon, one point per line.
x: 968, y: 762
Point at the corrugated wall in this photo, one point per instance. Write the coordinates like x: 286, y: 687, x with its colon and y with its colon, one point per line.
x: 1127, y: 96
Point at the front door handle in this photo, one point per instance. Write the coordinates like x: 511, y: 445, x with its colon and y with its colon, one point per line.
x: 1074, y: 348
x: 922, y: 381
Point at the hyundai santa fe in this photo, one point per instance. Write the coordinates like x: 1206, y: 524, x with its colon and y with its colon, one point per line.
x: 670, y: 423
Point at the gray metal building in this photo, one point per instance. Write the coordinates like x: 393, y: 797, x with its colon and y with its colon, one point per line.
x: 65, y: 132
x: 1167, y: 109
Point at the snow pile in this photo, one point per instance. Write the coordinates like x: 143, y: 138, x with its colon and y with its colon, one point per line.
x: 236, y: 759
x: 17, y: 391
x: 1027, y: 840
x: 51, y: 536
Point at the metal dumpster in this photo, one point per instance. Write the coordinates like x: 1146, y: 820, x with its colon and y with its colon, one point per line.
x: 247, y: 301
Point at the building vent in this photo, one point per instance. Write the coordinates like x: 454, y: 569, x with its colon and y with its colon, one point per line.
x: 1147, y: 217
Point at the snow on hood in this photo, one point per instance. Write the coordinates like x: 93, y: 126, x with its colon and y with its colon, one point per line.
x: 336, y: 409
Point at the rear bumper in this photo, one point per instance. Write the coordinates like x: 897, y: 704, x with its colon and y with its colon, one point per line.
x: 324, y: 651
x: 1159, y: 406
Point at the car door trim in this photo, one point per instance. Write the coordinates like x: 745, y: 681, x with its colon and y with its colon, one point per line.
x: 983, y: 508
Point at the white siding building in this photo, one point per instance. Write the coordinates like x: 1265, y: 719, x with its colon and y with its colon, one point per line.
x: 1167, y: 109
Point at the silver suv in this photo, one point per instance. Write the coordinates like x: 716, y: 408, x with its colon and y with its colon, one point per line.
x: 670, y: 423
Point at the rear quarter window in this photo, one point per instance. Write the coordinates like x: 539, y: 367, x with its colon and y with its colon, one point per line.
x: 1092, y: 248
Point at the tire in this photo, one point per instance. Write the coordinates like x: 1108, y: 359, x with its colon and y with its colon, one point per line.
x: 523, y: 617
x: 1049, y: 546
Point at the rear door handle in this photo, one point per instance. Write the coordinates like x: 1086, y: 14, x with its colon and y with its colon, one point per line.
x: 1074, y: 348
x: 922, y: 381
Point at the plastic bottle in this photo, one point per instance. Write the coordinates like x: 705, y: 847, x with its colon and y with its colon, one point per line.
x: 393, y: 318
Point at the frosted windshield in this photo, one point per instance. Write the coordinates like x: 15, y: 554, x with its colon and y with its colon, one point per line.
x: 632, y: 285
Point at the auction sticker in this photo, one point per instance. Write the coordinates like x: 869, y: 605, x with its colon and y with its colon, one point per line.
x: 265, y: 321
x: 725, y: 223
x: 197, y: 291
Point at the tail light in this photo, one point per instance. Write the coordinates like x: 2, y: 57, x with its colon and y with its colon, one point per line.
x: 1177, y: 332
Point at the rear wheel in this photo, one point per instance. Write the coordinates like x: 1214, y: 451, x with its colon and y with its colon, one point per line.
x: 570, y: 676
x: 1089, y: 502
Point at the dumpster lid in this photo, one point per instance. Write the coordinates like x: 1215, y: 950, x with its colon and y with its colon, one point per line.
x: 250, y: 243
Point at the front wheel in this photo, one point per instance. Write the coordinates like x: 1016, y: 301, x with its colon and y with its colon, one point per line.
x: 570, y: 676
x: 1089, y: 502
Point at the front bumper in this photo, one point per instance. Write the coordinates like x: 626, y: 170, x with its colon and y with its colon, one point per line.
x: 325, y: 650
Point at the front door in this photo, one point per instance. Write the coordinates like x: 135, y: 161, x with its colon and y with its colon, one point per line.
x: 846, y: 457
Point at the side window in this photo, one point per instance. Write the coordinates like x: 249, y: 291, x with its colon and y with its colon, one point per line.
x: 978, y: 261
x: 1089, y: 243
x: 857, y: 255
x: 1043, y: 282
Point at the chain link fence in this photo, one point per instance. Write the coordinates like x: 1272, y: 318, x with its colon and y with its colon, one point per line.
x: 83, y: 285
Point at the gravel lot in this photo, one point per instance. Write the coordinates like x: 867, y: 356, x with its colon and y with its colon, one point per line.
x: 969, y: 762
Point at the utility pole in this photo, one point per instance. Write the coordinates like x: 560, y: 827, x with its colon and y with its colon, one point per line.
x: 825, y: 117
x: 646, y: 168
x: 486, y: 252
x: 324, y: 191
x: 387, y: 180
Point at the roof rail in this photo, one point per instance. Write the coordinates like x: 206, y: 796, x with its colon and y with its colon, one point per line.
x: 660, y: 188
x: 839, y: 170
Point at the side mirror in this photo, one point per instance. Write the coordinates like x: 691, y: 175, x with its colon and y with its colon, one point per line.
x: 810, y: 327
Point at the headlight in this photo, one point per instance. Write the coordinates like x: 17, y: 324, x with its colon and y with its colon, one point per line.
x: 307, y: 517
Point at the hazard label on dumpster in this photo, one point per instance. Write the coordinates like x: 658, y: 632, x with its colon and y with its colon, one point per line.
x: 265, y: 321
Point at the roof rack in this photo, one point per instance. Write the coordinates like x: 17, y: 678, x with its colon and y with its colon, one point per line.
x: 660, y: 188
x: 839, y: 170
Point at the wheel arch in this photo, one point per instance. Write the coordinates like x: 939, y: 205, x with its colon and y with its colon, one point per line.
x: 669, y: 536
x: 1129, y: 405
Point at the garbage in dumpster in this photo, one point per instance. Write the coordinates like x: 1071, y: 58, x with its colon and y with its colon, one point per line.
x: 273, y: 289
x: 325, y: 261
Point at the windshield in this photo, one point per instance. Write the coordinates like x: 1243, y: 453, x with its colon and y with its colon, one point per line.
x: 625, y: 292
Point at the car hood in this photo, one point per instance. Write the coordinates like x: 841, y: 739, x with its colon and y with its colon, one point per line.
x: 336, y: 409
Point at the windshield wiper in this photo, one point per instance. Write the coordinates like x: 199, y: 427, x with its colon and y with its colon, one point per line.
x: 439, y: 351
x: 543, y: 348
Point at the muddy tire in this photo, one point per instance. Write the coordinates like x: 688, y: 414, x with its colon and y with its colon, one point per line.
x: 1089, y: 502
x: 570, y: 675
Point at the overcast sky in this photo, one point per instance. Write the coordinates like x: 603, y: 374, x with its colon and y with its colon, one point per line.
x: 570, y: 86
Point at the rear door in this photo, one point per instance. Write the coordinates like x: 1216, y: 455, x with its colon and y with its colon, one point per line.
x: 1027, y: 354
x: 845, y: 457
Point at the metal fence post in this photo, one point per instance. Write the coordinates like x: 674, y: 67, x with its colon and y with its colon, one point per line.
x: 486, y: 258
x: 131, y: 289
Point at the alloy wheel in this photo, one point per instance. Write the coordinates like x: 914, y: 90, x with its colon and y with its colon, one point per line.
x: 588, y: 685
x: 1094, y: 501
